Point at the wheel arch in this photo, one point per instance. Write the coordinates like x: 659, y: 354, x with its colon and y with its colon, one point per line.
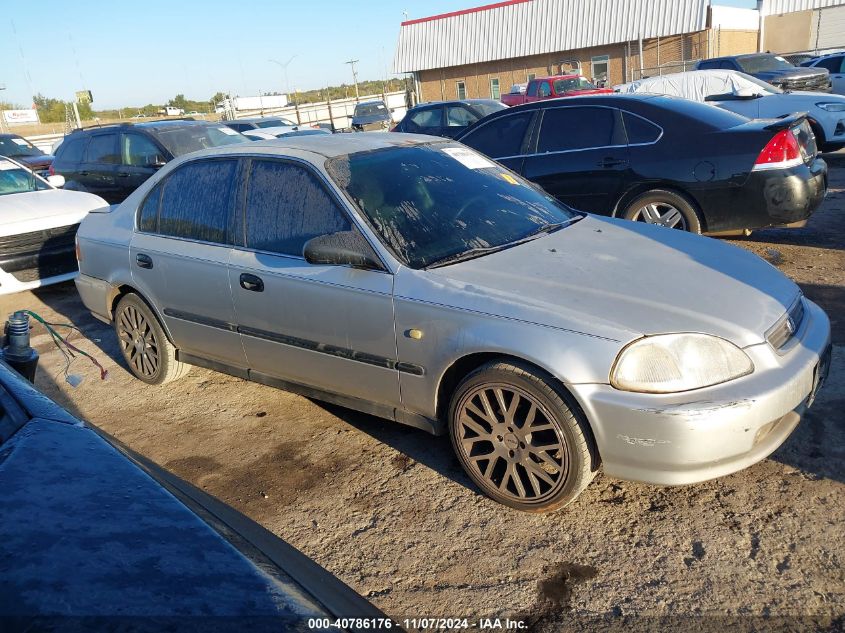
x: 631, y: 194
x: 468, y: 363
x: 124, y: 289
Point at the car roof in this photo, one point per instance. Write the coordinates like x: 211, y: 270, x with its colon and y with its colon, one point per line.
x: 454, y: 102
x: 599, y: 99
x: 8, y: 135
x: 326, y: 145
x: 374, y: 102
x: 147, y: 125
x: 257, y: 119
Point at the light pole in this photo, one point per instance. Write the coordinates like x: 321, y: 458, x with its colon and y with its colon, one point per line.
x: 352, y: 63
x: 285, y: 68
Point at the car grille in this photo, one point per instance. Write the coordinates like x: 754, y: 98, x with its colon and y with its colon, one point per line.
x: 784, y: 330
x: 36, y: 240
x: 814, y: 83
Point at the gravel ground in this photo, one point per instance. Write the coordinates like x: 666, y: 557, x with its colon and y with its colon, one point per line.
x: 388, y: 509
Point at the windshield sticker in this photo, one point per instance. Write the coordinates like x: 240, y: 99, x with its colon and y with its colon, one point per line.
x: 228, y: 130
x: 21, y: 141
x: 507, y: 177
x: 468, y: 158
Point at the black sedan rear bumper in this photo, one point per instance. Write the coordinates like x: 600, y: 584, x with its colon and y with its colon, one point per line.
x: 769, y: 198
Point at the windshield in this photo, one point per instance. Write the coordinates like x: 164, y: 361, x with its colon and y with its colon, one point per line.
x: 14, y: 179
x: 15, y: 146
x: 369, y: 109
x: 274, y: 123
x: 434, y: 201
x: 575, y: 83
x: 191, y: 138
x: 763, y: 63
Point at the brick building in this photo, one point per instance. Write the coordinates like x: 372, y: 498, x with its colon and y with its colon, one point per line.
x: 482, y: 52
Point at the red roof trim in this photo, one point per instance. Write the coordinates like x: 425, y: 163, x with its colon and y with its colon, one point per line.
x: 486, y: 7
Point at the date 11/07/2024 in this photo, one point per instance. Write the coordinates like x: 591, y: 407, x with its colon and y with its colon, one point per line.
x: 419, y: 624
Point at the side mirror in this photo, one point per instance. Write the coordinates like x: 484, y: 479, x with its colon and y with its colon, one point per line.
x: 58, y: 181
x: 345, y: 248
x: 157, y: 161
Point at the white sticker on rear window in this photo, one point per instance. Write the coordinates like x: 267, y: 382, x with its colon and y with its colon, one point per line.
x: 21, y: 141
x: 228, y: 130
x: 468, y: 158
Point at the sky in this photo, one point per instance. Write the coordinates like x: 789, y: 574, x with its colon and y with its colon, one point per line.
x: 134, y: 53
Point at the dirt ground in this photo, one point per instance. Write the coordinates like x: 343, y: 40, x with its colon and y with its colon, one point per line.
x: 388, y: 509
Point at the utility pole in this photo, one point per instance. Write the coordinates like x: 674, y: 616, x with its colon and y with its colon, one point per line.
x: 285, y: 68
x: 2, y: 116
x: 352, y: 63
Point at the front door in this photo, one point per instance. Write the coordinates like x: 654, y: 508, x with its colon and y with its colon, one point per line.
x: 581, y: 157
x: 326, y: 327
x: 179, y: 256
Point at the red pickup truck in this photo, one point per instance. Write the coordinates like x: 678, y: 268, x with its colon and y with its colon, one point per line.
x: 553, y: 88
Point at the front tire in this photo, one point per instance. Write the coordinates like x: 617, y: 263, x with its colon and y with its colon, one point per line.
x: 664, y: 208
x: 146, y: 349
x: 518, y: 439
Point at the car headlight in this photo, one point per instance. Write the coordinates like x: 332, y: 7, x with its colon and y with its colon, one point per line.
x: 831, y: 106
x: 668, y: 363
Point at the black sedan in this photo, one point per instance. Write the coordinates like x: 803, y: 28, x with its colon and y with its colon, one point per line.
x: 447, y: 118
x: 662, y: 160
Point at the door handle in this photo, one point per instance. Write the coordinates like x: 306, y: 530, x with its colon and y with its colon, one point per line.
x: 612, y: 162
x: 143, y: 261
x: 123, y: 174
x: 251, y: 282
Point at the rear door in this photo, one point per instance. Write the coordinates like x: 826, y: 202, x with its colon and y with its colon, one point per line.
x: 98, y: 172
x: 581, y: 157
x: 504, y: 138
x: 138, y: 158
x: 68, y: 161
x: 427, y: 120
x: 179, y: 256
x: 326, y: 327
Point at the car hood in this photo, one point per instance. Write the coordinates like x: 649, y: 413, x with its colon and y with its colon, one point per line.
x: 41, y: 160
x: 621, y: 280
x: 38, y: 210
x: 370, y: 118
x: 790, y: 73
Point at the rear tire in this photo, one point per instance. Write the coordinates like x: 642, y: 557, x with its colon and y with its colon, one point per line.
x: 146, y: 349
x: 518, y: 439
x: 664, y: 208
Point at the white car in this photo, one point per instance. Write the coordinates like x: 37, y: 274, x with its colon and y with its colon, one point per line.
x: 753, y: 98
x: 38, y: 223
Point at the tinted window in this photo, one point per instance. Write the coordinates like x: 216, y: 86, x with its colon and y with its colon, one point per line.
x: 240, y: 127
x: 502, y: 137
x: 708, y: 63
x: 833, y: 64
x: 578, y: 128
x: 545, y: 89
x: 532, y: 89
x: 13, y: 146
x: 457, y: 116
x: 13, y: 179
x: 196, y: 201
x: 148, y: 217
x: 427, y: 202
x: 70, y: 151
x: 639, y: 130
x: 426, y: 118
x: 102, y: 149
x: 763, y: 63
x: 138, y: 150
x: 286, y: 206
x: 728, y: 65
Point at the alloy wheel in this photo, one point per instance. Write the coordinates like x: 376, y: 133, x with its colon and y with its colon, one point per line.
x: 508, y: 441
x: 661, y: 214
x: 138, y: 341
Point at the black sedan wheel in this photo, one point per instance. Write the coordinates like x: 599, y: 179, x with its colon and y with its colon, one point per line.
x: 664, y: 208
x: 518, y: 440
x: 145, y: 347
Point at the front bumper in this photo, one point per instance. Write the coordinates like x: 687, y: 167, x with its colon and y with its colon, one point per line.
x: 677, y: 439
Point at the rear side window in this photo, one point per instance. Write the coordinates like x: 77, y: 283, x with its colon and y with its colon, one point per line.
x: 426, y: 118
x: 138, y: 151
x: 833, y: 64
x: 639, y: 130
x: 457, y: 116
x: 286, y: 206
x: 102, y: 149
x: 502, y: 137
x: 566, y: 129
x: 71, y: 151
x: 148, y: 217
x: 197, y: 199
x: 708, y: 63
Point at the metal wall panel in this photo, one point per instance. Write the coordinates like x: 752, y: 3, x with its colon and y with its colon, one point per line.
x: 775, y: 7
x: 536, y: 27
x: 831, y: 28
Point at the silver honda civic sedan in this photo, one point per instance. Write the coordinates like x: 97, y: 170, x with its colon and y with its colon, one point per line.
x: 412, y: 278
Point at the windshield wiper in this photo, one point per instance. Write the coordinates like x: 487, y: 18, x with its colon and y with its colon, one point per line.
x: 472, y: 253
